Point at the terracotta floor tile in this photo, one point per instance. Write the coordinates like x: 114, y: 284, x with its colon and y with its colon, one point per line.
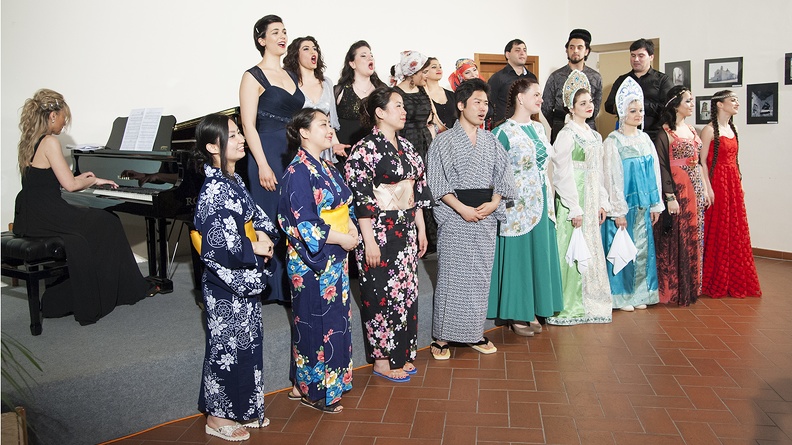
x: 655, y: 420
x: 428, y: 427
x: 704, y: 398
x: 613, y: 425
x: 493, y: 401
x: 717, y: 372
x: 512, y: 435
x: 524, y: 415
x: 596, y: 438
x: 401, y: 411
x: 647, y: 439
x: 616, y: 406
x: 560, y: 430
x: 573, y: 411
x: 700, y: 415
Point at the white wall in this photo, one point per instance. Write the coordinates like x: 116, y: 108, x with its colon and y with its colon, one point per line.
x: 108, y: 57
x: 710, y: 30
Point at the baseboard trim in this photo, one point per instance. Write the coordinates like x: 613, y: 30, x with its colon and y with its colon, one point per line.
x: 775, y: 254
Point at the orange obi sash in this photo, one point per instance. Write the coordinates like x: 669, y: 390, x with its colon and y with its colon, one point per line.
x: 398, y: 196
x: 338, y: 218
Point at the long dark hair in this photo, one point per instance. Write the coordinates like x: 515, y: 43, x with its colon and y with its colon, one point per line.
x: 379, y: 98
x: 717, y: 98
x: 348, y: 74
x: 213, y: 129
x: 291, y: 61
x: 260, y: 29
x: 673, y: 100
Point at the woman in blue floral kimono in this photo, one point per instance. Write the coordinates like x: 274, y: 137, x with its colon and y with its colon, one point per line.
x: 387, y: 176
x: 232, y: 393
x: 315, y: 212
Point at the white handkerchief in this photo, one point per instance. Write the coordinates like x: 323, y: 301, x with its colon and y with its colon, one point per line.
x: 578, y: 251
x: 622, y: 250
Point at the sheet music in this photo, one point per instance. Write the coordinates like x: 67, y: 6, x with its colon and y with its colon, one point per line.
x: 141, y: 129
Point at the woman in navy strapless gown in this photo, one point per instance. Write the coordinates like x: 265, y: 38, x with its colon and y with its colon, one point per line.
x: 268, y: 97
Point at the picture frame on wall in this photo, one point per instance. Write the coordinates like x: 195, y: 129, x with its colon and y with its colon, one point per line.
x: 762, y: 103
x: 788, y: 69
x: 722, y: 73
x: 679, y: 73
x: 703, y: 112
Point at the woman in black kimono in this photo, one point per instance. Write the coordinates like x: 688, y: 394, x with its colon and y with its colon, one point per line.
x: 386, y: 176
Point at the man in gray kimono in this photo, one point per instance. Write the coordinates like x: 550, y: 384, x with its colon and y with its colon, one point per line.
x: 470, y: 179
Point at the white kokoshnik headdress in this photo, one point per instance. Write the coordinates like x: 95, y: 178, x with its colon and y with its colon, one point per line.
x: 629, y: 91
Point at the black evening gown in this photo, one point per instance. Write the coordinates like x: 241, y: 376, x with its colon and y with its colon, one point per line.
x: 447, y: 112
x: 102, y: 269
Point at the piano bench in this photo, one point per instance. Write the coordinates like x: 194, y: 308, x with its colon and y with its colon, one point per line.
x: 33, y: 259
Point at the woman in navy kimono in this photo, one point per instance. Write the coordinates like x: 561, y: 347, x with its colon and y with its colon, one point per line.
x: 316, y: 213
x: 232, y: 393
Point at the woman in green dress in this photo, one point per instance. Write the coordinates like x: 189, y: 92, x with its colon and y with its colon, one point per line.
x: 578, y: 153
x: 526, y: 278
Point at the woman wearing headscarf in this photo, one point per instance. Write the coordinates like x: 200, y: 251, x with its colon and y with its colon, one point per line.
x: 409, y: 76
x: 465, y: 69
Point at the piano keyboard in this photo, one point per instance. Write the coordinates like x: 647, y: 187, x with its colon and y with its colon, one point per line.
x: 130, y: 193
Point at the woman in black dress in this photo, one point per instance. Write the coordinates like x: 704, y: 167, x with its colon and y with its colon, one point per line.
x: 358, y: 79
x: 102, y: 270
x: 442, y: 99
x: 409, y: 76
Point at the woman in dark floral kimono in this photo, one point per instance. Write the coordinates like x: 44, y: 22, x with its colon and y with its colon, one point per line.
x: 387, y: 177
x: 232, y: 387
x: 316, y: 214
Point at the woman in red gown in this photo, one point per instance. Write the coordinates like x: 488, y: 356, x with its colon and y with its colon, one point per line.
x: 729, y: 268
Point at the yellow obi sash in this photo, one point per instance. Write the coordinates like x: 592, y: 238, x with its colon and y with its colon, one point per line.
x: 397, y: 196
x: 250, y: 232
x: 338, y: 218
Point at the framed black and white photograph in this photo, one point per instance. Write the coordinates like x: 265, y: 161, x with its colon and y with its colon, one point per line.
x: 788, y: 69
x: 679, y: 72
x: 721, y: 73
x: 703, y: 112
x: 763, y: 103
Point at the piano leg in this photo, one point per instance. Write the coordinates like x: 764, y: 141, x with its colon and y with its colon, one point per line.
x: 157, y: 245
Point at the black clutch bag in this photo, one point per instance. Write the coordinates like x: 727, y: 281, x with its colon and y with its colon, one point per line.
x: 473, y: 197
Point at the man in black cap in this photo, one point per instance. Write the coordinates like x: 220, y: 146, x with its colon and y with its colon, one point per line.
x: 577, y: 47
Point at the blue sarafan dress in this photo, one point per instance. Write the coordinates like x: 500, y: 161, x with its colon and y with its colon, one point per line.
x: 232, y: 386
x: 632, y: 179
x: 314, y: 200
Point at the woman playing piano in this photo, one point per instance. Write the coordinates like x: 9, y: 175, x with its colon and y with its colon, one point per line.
x: 102, y: 270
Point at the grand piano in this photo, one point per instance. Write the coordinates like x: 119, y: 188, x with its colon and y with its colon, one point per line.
x: 161, y: 185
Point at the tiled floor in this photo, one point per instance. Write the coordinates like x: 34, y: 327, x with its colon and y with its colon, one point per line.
x: 718, y: 372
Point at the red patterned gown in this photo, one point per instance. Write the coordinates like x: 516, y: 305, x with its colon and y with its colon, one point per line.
x: 729, y: 268
x: 679, y: 238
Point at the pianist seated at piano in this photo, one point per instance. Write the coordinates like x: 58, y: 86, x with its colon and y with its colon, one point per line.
x: 232, y: 391
x: 102, y: 269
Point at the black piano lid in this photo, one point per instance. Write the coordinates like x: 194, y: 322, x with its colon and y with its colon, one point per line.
x: 162, y: 142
